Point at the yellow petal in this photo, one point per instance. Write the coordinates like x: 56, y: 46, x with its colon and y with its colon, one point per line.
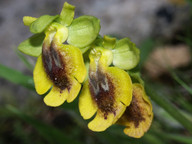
x: 138, y: 116
x: 56, y: 97
x: 145, y: 97
x: 123, y: 90
x: 99, y: 123
x: 41, y: 80
x: 87, y: 107
x: 123, y: 85
x: 64, y: 61
x: 75, y: 60
x: 120, y: 109
x: 139, y: 131
x: 75, y: 88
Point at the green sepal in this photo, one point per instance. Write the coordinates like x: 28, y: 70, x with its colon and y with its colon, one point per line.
x: 61, y: 32
x: 98, y: 41
x: 83, y: 31
x: 109, y: 42
x: 27, y: 20
x: 85, y: 49
x: 33, y: 45
x: 125, y: 54
x: 67, y: 14
x: 39, y: 25
x: 136, y: 77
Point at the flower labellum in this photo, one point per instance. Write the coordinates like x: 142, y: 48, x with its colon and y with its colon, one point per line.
x: 138, y: 115
x: 60, y: 67
x: 108, y: 91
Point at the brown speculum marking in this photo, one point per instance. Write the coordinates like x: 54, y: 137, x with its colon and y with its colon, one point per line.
x: 133, y: 112
x: 55, y: 66
x: 102, y: 92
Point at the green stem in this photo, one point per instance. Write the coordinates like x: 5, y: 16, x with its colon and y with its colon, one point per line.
x: 182, y: 83
x: 136, y: 76
x: 169, y: 107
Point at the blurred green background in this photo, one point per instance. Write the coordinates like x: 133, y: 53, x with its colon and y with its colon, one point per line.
x: 162, y: 29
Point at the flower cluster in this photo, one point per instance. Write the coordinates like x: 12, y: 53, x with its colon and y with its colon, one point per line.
x: 73, y: 59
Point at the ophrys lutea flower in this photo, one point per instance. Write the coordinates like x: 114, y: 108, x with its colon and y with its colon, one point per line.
x: 59, y: 67
x: 138, y: 115
x: 107, y: 92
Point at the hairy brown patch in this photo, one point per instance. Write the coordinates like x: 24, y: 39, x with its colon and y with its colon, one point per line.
x: 55, y: 66
x: 102, y: 91
x: 133, y: 112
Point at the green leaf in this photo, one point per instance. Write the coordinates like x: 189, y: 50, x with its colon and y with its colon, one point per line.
x: 39, y: 25
x: 125, y: 54
x: 33, y: 45
x: 182, y: 83
x: 24, y: 60
x: 67, y: 14
x: 83, y: 31
x: 152, y: 139
x: 51, y: 134
x: 168, y: 106
x: 146, y: 48
x: 175, y: 137
x: 16, y: 77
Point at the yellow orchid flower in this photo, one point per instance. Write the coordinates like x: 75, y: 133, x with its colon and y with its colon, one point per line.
x: 59, y: 67
x: 138, y: 115
x: 107, y: 92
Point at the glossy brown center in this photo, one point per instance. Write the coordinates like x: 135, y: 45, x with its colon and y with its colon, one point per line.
x: 102, y: 92
x: 55, y: 66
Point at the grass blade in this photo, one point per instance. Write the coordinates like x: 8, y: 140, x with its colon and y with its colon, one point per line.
x: 145, y: 49
x: 169, y: 107
x: 16, y: 77
x: 175, y: 137
x: 24, y: 60
x: 182, y: 83
x: 51, y: 134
